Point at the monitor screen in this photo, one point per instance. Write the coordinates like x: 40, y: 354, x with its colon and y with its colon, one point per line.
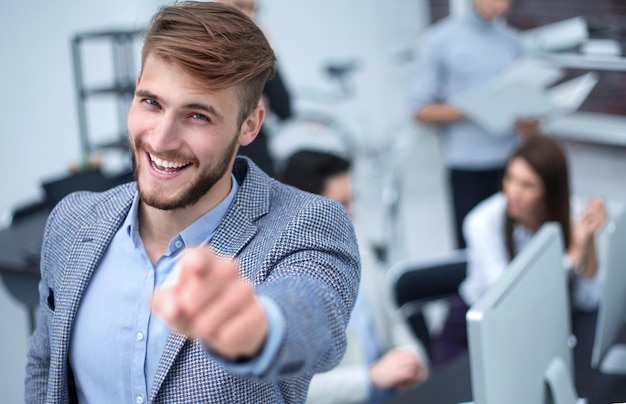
x: 519, y: 330
x: 607, y: 355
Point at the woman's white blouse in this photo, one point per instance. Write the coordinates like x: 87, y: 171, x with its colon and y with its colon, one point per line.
x: 487, y: 257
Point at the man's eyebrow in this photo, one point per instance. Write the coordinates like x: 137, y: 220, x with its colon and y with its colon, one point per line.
x: 209, y: 110
x: 146, y: 94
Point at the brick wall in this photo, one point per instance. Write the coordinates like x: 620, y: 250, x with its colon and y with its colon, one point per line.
x: 605, y: 18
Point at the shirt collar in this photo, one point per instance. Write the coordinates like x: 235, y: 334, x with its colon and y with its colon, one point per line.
x: 199, y: 232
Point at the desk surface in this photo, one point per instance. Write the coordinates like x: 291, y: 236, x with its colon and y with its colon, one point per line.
x: 452, y: 384
x: 15, y: 240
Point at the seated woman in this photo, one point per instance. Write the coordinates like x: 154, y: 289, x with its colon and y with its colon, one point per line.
x: 535, y: 190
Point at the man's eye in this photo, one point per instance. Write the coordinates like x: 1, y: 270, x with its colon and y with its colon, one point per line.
x: 150, y: 101
x: 200, y: 117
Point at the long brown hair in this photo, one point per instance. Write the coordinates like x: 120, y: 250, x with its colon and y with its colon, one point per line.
x: 215, y: 43
x: 545, y: 156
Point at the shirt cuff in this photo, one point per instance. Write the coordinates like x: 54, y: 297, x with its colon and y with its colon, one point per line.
x: 275, y: 335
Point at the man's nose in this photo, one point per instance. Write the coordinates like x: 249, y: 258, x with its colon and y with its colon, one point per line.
x: 165, y: 135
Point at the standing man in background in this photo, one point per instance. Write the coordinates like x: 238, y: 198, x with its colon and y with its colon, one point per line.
x: 276, y: 97
x: 206, y: 280
x: 457, y: 54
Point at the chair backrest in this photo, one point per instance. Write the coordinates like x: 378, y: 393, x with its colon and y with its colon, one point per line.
x: 417, y: 281
x: 28, y: 209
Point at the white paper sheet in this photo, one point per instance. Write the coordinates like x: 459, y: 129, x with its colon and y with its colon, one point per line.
x: 520, y: 92
x: 569, y: 96
x: 497, y: 108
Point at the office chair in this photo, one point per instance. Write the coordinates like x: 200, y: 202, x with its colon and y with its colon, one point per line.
x: 416, y: 282
x: 22, y: 284
x: 25, y: 210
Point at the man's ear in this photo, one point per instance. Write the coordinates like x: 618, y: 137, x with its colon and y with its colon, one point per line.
x: 252, y: 125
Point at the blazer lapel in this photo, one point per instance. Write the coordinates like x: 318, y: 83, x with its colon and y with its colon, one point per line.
x: 251, y: 202
x: 173, y: 346
x: 88, y: 246
x: 85, y: 248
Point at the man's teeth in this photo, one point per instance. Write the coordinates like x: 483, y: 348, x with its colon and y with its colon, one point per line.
x: 166, y: 164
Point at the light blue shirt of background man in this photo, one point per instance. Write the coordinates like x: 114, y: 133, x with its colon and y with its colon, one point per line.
x: 457, y: 54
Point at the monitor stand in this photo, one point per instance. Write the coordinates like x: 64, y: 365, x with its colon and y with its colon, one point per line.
x: 614, y: 362
x: 559, y: 385
x: 560, y: 388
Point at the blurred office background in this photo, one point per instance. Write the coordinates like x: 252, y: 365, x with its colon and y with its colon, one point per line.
x: 401, y: 204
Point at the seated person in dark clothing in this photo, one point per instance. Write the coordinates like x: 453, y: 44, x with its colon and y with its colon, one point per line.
x: 277, y: 100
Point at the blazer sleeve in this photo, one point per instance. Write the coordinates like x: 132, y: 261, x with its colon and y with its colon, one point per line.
x: 313, y: 276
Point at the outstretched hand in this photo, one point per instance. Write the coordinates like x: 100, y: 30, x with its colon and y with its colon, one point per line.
x: 207, y: 299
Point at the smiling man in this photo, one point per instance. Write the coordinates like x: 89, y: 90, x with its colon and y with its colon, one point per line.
x: 205, y: 280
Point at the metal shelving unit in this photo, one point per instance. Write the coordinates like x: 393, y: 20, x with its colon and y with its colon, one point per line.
x: 121, y: 88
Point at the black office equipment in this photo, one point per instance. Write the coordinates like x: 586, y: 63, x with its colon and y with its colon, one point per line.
x: 86, y: 180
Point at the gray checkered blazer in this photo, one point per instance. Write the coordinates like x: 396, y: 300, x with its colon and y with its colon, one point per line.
x: 297, y: 248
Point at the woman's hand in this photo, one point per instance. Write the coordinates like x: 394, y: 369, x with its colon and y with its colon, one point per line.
x: 582, y: 247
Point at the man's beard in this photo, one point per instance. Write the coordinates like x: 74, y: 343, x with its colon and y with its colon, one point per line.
x: 195, y: 190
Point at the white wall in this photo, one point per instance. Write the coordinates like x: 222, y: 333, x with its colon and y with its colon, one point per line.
x: 39, y: 120
x: 307, y: 35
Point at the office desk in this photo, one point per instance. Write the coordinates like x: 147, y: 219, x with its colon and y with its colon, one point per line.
x: 452, y: 384
x: 19, y: 271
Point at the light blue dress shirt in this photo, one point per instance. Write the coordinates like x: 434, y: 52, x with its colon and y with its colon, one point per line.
x: 372, y: 351
x: 117, y: 341
x: 457, y: 54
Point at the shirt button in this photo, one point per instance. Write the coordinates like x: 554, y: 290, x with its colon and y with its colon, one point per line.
x: 178, y: 243
x: 139, y: 400
x: 139, y: 338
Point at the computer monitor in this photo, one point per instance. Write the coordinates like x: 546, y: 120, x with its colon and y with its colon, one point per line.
x: 519, y: 331
x: 609, y: 356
